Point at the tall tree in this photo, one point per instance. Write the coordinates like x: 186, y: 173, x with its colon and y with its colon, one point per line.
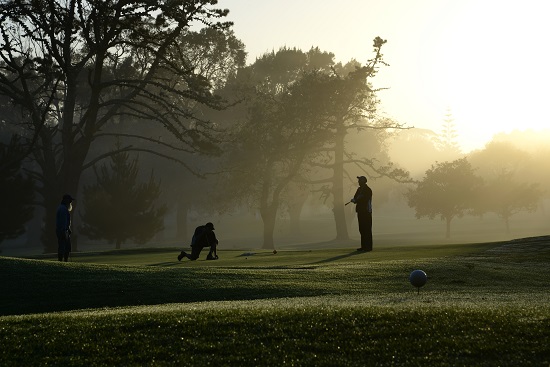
x: 270, y: 149
x: 272, y: 132
x: 448, y: 189
x: 217, y: 55
x: 351, y: 106
x: 307, y: 89
x: 72, y: 66
x: 118, y: 208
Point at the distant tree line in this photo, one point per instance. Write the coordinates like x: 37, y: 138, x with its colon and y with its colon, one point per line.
x: 132, y: 108
x: 490, y: 180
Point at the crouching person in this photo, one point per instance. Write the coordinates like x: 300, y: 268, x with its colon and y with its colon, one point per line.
x: 204, y: 236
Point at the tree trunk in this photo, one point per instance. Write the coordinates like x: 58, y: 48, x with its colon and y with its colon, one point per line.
x: 338, y: 185
x: 65, y: 179
x: 55, y: 186
x: 269, y: 228
x: 295, y: 211
x: 268, y: 210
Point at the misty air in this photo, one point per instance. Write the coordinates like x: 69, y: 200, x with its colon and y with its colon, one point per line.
x: 220, y: 183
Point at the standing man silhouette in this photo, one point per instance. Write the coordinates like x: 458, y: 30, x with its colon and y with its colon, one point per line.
x: 63, y: 227
x: 363, y: 206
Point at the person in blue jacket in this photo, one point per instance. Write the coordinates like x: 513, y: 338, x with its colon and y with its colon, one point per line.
x: 63, y: 227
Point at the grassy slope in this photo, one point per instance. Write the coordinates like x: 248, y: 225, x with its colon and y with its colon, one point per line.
x: 483, y: 304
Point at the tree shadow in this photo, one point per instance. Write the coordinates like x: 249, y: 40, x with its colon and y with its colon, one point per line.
x: 340, y: 257
x: 166, y: 264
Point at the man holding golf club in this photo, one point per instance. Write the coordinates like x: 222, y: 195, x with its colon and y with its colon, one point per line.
x: 363, y: 206
x: 204, y: 236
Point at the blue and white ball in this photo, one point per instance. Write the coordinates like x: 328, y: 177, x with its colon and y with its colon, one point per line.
x: 418, y: 278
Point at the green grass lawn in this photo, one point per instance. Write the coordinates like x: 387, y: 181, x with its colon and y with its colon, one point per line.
x: 483, y: 304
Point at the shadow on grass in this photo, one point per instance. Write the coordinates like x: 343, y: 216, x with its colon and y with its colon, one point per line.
x: 340, y: 257
x: 165, y: 264
x: 32, y: 286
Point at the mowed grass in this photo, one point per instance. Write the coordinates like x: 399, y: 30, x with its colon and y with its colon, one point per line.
x: 484, y: 304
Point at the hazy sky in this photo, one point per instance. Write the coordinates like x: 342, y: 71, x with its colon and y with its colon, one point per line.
x: 486, y: 60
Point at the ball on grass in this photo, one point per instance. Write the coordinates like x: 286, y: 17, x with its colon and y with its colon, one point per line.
x: 274, y: 252
x: 418, y: 278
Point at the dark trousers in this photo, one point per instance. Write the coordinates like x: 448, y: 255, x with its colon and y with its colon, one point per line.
x: 365, y: 228
x: 196, y: 251
x: 63, y: 246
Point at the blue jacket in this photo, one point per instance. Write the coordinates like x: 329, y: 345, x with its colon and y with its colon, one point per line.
x: 62, y: 219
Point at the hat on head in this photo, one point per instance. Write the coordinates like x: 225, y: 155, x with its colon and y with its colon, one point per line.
x: 210, y: 225
x: 362, y: 178
x: 67, y: 198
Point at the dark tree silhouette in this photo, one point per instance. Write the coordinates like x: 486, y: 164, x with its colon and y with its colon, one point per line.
x: 216, y: 55
x: 301, y: 109
x: 269, y: 152
x: 118, y: 208
x: 71, y: 67
x: 275, y: 133
x: 347, y: 103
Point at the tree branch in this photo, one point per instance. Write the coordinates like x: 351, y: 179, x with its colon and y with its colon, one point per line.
x: 130, y: 148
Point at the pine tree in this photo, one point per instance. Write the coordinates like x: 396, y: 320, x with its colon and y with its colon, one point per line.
x: 117, y: 208
x: 446, y: 142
